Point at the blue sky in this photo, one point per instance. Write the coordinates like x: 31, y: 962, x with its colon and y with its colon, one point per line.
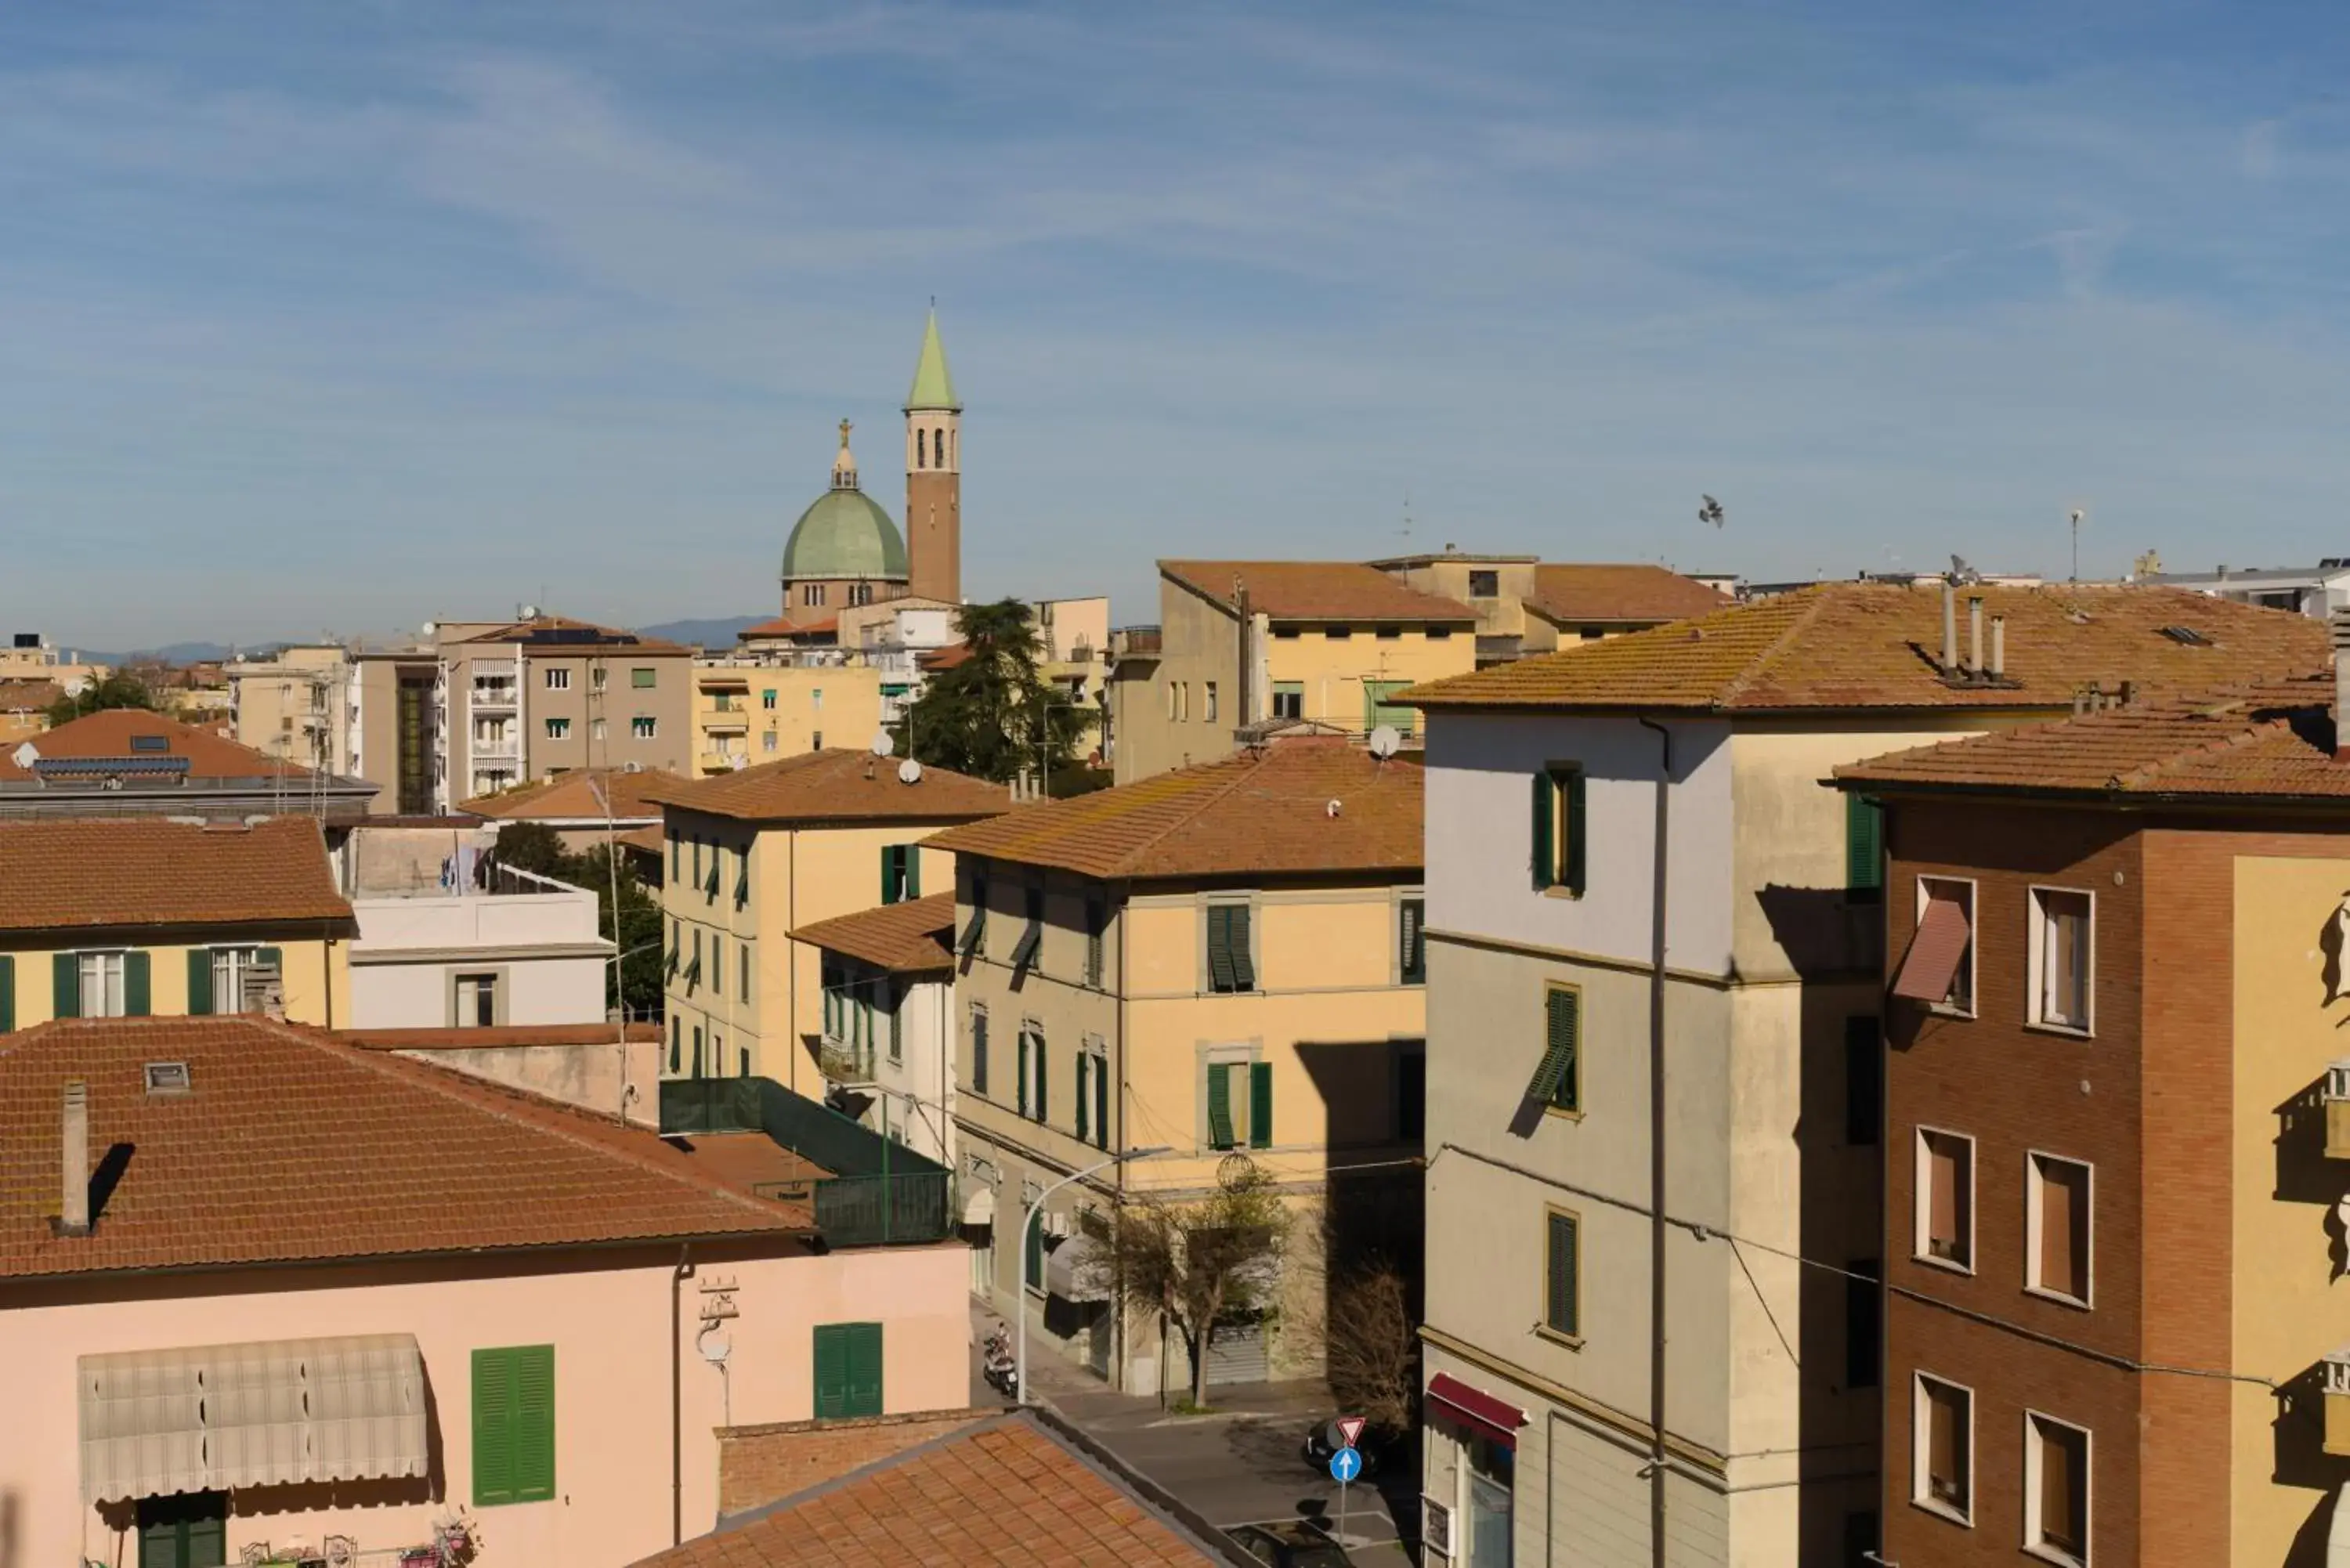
x: 349, y: 317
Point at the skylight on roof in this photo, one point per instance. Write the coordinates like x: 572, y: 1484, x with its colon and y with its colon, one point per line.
x: 150, y: 742
x: 2187, y: 635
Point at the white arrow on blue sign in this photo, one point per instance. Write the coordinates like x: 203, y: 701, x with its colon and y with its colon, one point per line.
x: 1346, y: 1465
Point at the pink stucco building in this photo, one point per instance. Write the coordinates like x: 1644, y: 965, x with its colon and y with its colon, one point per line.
x: 257, y: 1285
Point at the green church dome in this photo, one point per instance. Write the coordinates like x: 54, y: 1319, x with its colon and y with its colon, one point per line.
x: 844, y: 534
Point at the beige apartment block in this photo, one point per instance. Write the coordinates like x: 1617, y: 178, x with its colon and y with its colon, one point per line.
x: 299, y: 705
x: 749, y: 709
x: 1549, y: 895
x: 28, y: 657
x: 1245, y: 643
x: 1223, y: 962
x: 1525, y: 605
x: 754, y: 855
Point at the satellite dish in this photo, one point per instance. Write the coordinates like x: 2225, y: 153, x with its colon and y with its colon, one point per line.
x: 714, y: 1344
x: 884, y: 743
x: 25, y: 756
x: 430, y: 627
x: 1384, y: 742
x: 910, y: 771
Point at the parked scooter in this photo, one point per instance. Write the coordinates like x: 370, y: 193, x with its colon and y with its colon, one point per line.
x: 996, y: 1364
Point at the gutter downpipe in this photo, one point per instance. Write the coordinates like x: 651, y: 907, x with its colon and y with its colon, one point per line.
x: 677, y: 1396
x: 1656, y: 1461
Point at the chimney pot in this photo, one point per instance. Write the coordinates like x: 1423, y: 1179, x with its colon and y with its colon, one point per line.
x: 1974, y: 634
x: 1949, y: 628
x: 2339, y: 622
x: 73, y: 1216
x: 1998, y: 647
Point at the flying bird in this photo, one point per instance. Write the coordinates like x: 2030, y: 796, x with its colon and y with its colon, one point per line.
x: 1711, y: 512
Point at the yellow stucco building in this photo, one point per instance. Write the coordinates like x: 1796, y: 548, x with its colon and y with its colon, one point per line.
x: 1222, y: 962
x: 749, y: 709
x: 754, y: 854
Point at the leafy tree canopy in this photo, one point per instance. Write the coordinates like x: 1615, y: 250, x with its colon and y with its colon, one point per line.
x: 120, y: 690
x: 992, y: 715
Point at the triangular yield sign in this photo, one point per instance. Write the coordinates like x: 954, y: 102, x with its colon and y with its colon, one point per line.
x: 1350, y: 1427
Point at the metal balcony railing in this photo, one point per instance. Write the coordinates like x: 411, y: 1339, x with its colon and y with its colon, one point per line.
x: 879, y: 1193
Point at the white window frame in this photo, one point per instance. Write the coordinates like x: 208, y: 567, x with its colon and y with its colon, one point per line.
x: 644, y: 727
x: 2032, y: 1210
x: 1921, y: 1491
x: 558, y: 678
x: 2032, y: 1545
x: 1922, y: 1200
x: 89, y: 960
x: 558, y: 728
x: 2035, y: 998
x: 1974, y: 939
x: 230, y: 966
x: 595, y: 728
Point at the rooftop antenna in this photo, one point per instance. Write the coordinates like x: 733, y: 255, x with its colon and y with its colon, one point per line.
x: 1406, y: 530
x: 2079, y: 515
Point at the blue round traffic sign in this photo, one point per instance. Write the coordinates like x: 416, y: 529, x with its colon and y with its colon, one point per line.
x: 1346, y: 1465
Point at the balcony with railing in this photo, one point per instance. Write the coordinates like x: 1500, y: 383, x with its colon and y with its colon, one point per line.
x: 866, y: 1190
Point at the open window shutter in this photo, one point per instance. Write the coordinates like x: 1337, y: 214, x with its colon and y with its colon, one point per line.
x: 534, y: 1423
x: 1577, y: 830
x: 1413, y: 915
x: 1236, y: 936
x: 1942, y: 1443
x: 493, y: 1428
x: 1561, y: 1313
x: 200, y: 982
x: 831, y: 1371
x: 1220, y: 1105
x: 864, y: 1368
x: 1101, y: 1101
x: 889, y: 873
x: 913, y: 853
x: 1220, y: 947
x: 207, y: 1539
x: 271, y: 958
x: 2063, y: 1228
x: 1545, y: 820
x: 1864, y: 843
x: 2061, y: 1488
x: 7, y: 992
x: 1023, y: 1105
x: 137, y: 985
x: 65, y: 970
x: 1260, y: 1104
x: 1555, y: 1079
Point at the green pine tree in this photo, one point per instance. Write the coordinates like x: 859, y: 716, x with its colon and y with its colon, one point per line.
x: 992, y: 715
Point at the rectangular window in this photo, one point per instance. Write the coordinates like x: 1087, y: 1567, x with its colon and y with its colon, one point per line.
x: 1388, y: 633
x: 1942, y: 1436
x: 184, y: 1529
x: 848, y: 1380
x: 224, y: 972
x: 676, y: 1039
x: 1484, y: 584
x: 644, y: 727
x: 2057, y: 1216
x: 1863, y: 1319
x: 1032, y: 1254
x: 1084, y: 1111
x: 1260, y: 1115
x: 815, y: 740
x: 1289, y: 700
x: 767, y: 741
x: 1939, y: 969
x: 477, y: 1001
x: 2055, y: 1489
x: 514, y: 1424
x: 1411, y: 941
x: 1863, y: 1079
x: 1033, y: 1098
x: 1097, y: 931
x: 1098, y: 1074
x: 1226, y: 1083
x: 1559, y: 830
x: 888, y: 1000
x: 595, y: 728
x: 558, y: 729
x: 901, y: 873
x: 767, y: 697
x: 1946, y: 1198
x: 642, y: 677
x: 558, y: 679
x: 1208, y: 701
x: 1379, y: 710
x: 2063, y: 958
x: 1183, y: 700
x: 744, y: 990
x: 1563, y: 1274
x: 979, y: 1050
x: 973, y: 941
x: 1171, y: 700
x: 1231, y: 964
x: 742, y: 875
x: 1558, y: 1077
x: 1864, y: 849
x: 596, y: 676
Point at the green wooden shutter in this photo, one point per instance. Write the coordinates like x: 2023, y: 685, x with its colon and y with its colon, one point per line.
x: 271, y: 958
x: 1220, y: 947
x: 1864, y: 845
x: 864, y: 1368
x: 1022, y: 1096
x: 1555, y: 1081
x: 7, y: 992
x: 534, y: 1422
x: 207, y: 1541
x: 831, y: 1371
x: 137, y: 985
x: 1562, y: 1310
x: 1084, y: 1062
x: 892, y: 870
x: 1043, y: 1071
x: 1545, y: 818
x: 1033, y: 1253
x: 1260, y: 1104
x: 1575, y: 827
x: 1220, y: 1105
x: 493, y: 1424
x: 979, y: 1053
x: 1236, y: 937
x: 200, y: 982
x: 64, y: 980
x: 914, y: 871
x: 1101, y: 1102
x: 159, y: 1546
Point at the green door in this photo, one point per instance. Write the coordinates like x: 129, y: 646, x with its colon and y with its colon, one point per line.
x: 189, y: 1530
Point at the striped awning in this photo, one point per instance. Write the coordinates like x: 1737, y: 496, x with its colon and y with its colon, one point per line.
x: 209, y: 1418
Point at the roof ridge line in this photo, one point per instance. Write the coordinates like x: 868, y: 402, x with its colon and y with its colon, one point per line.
x: 1738, y: 684
x: 446, y: 1082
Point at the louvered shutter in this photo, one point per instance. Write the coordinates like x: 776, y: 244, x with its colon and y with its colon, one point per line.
x: 1101, y: 1102
x: 831, y: 1371
x: 1561, y: 1308
x: 864, y: 1368
x: 1220, y: 947
x: 979, y: 1053
x: 1544, y: 861
x: 1220, y: 1105
x: 1576, y: 831
x: 1043, y: 1111
x: 1260, y: 1104
x: 534, y: 1423
x: 1023, y: 1105
x: 1555, y: 1081
x: 493, y: 1428
x: 137, y: 985
x: 7, y: 992
x: 270, y: 958
x: 1236, y: 937
x: 913, y: 853
x: 207, y: 1541
x: 65, y: 978
x: 1864, y: 843
x: 889, y: 874
x: 200, y: 982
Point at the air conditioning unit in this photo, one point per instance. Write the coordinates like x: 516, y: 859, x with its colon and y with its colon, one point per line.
x: 1435, y: 1527
x: 632, y: 767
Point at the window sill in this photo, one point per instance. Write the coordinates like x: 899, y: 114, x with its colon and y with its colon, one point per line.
x: 2066, y: 1031
x: 1945, y: 1264
x: 1563, y: 1341
x: 2060, y: 1299
x: 1943, y: 1511
x: 1944, y: 1009
x: 1563, y: 1114
x: 2056, y: 1554
x: 1573, y: 895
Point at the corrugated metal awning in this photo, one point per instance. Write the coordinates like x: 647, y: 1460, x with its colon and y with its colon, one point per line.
x: 208, y: 1417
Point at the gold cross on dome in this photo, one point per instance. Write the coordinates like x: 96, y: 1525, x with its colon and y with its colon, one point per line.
x: 844, y: 435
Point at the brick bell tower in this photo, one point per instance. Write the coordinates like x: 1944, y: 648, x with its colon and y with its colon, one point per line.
x: 933, y: 476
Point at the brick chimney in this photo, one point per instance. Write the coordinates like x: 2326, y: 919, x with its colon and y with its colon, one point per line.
x: 2340, y: 624
x: 72, y: 1217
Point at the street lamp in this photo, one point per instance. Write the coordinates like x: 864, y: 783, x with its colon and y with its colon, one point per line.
x: 1028, y: 1228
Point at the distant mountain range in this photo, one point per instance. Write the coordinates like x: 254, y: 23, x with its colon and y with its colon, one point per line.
x: 718, y: 633
x: 714, y: 633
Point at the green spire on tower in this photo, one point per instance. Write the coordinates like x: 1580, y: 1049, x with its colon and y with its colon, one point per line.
x: 933, y: 387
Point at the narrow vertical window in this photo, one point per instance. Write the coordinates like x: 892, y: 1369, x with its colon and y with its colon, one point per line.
x: 2062, y: 958
x: 1558, y: 1076
x: 1946, y: 1176
x: 2057, y: 1254
x: 1559, y: 830
x: 1864, y: 847
x: 2056, y: 1489
x: 1943, y: 1438
x: 1563, y: 1270
x: 1411, y: 916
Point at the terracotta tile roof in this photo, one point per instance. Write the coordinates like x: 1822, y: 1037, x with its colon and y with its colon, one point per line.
x: 1876, y: 645
x: 1572, y: 593
x: 1261, y: 810
x: 650, y: 840
x: 291, y: 1145
x: 435, y: 1039
x: 1006, y: 1491
x: 947, y: 658
x: 557, y: 635
x: 66, y: 873
x: 911, y: 937
x: 110, y: 733
x: 785, y: 626
x: 836, y: 786
x: 572, y: 798
x: 1315, y: 590
x: 2271, y: 740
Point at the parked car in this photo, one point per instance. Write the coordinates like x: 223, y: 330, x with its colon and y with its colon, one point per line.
x: 1377, y: 1448
x: 1291, y: 1543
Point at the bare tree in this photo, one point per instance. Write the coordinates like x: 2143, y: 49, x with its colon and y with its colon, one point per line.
x: 1198, y: 1262
x: 1373, y: 1347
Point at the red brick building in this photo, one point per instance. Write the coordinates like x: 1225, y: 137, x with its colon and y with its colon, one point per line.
x: 2113, y: 1218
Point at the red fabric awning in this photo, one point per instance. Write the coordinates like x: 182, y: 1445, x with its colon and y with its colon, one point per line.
x: 1478, y: 1411
x: 1935, y: 952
